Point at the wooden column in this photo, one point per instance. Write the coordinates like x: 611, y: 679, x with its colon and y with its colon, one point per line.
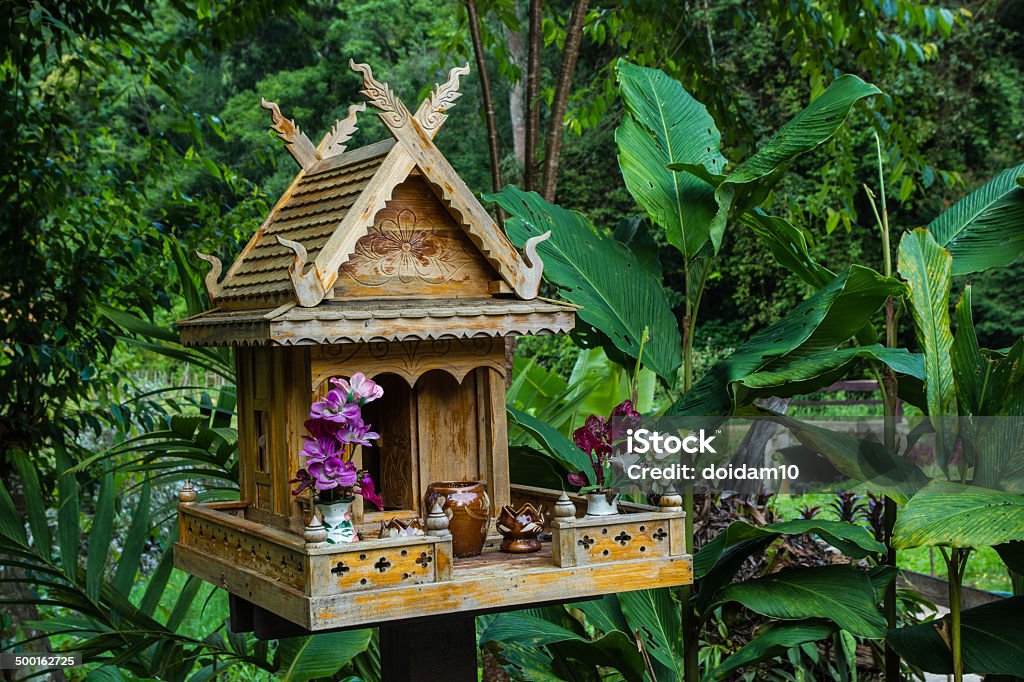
x: 428, y: 650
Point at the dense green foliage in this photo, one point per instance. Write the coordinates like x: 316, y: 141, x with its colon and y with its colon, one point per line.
x: 132, y: 136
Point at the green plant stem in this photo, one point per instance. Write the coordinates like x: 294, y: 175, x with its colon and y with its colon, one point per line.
x: 890, y: 398
x: 956, y: 563
x: 690, y: 619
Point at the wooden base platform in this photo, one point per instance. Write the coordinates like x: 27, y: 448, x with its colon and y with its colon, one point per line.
x: 389, y: 581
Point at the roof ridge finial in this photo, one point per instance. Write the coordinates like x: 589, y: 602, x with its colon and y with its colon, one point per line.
x: 340, y: 133
x: 298, y: 145
x: 381, y: 96
x: 441, y: 98
x: 213, y: 287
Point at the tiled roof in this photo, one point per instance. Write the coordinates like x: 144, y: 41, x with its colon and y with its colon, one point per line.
x: 308, y: 213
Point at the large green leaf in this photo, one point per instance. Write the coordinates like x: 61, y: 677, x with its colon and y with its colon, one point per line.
x: 842, y: 594
x: 134, y: 544
x: 307, y: 658
x: 717, y: 562
x: 985, y: 229
x: 789, y: 246
x: 771, y: 642
x: 865, y: 461
x: 852, y: 540
x: 927, y: 268
x: 818, y: 325
x: 35, y: 506
x: 102, y: 529
x: 751, y: 181
x: 801, y: 375
x: 993, y: 640
x: 614, y: 649
x: 618, y: 295
x: 68, y: 522
x: 665, y: 125
x: 551, y: 441
x: 656, y: 615
x: 957, y: 515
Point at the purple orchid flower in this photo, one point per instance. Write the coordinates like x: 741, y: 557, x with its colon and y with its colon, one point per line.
x: 578, y: 479
x: 369, y: 491
x: 319, y: 449
x: 359, y: 389
x: 357, y: 433
x: 304, y: 479
x: 334, y: 407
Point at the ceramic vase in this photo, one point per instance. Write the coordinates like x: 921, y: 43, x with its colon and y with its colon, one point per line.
x: 520, y: 528
x: 468, y: 509
x: 599, y: 504
x: 338, y: 519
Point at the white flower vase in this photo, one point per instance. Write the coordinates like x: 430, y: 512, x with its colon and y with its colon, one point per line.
x: 338, y: 520
x: 599, y: 505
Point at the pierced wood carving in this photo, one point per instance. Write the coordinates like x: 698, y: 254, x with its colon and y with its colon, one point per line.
x: 245, y: 551
x: 341, y: 132
x: 380, y: 95
x: 299, y: 146
x: 213, y: 287
x: 368, y: 569
x: 407, y: 359
x: 441, y: 98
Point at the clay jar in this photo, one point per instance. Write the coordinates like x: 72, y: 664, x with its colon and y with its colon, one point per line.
x: 469, y: 513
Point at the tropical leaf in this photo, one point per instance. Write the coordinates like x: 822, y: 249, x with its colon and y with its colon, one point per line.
x: 842, y: 594
x: 635, y: 233
x: 772, y: 641
x: 818, y: 325
x: 992, y: 641
x: 102, y: 527
x: 985, y: 229
x: 664, y: 125
x: 806, y: 374
x: 316, y: 656
x: 751, y: 181
x: 134, y: 544
x: 957, y: 515
x: 613, y: 649
x: 551, y: 441
x: 852, y: 540
x: 717, y: 562
x: 68, y: 523
x: 927, y: 269
x: 866, y: 462
x: 789, y: 246
x: 36, y: 512
x: 618, y: 295
x: 657, y: 617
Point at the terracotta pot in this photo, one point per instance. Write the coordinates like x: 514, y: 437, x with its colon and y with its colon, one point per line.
x: 520, y: 528
x: 469, y: 513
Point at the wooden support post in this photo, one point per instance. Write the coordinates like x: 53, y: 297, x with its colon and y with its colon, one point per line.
x: 428, y: 650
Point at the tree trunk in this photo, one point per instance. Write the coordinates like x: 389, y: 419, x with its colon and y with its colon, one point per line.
x: 485, y: 92
x: 516, y: 106
x: 535, y: 39
x: 553, y: 146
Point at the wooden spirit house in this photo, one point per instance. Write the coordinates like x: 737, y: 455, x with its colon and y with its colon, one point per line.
x: 380, y: 260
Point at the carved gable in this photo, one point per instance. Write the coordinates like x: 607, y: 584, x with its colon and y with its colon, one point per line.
x: 414, y: 249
